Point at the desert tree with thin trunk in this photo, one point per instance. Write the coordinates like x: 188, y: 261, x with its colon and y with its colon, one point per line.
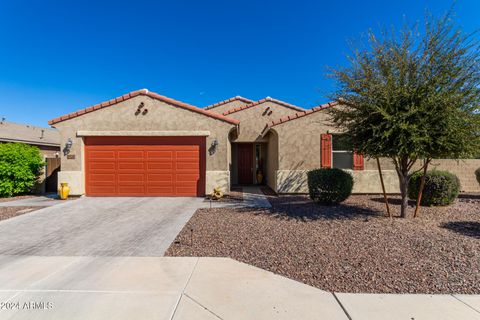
x: 412, y: 96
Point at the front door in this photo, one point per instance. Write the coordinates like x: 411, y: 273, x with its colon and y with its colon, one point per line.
x: 245, y: 163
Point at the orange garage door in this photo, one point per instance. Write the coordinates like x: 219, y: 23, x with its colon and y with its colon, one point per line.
x: 141, y: 166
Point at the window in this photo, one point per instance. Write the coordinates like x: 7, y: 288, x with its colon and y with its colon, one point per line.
x: 342, y: 154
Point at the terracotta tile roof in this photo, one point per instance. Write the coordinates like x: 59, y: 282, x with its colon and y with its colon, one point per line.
x: 256, y: 103
x: 146, y: 93
x: 299, y: 115
x: 227, y: 101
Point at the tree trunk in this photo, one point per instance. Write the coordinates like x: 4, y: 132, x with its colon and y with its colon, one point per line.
x: 422, y: 185
x: 404, y: 194
x: 402, y: 166
x: 383, y: 188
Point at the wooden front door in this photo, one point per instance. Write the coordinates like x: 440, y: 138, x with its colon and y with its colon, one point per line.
x: 245, y: 163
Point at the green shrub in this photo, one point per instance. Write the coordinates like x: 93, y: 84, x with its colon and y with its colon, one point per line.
x: 477, y: 174
x: 441, y: 188
x: 20, y: 166
x: 329, y: 186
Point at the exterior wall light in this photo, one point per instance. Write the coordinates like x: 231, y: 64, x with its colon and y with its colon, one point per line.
x: 68, y: 146
x: 213, y: 147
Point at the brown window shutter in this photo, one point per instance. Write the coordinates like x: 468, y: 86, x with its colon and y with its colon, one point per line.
x: 357, y: 161
x: 326, y: 146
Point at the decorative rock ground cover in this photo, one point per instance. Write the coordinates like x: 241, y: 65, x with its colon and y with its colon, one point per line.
x: 351, y: 247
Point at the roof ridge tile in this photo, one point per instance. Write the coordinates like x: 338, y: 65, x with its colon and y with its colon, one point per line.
x: 299, y: 115
x: 217, y: 104
x: 256, y: 103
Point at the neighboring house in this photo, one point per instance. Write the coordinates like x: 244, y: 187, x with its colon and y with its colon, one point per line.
x: 145, y: 144
x: 46, y: 139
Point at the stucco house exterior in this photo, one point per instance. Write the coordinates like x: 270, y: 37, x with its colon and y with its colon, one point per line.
x: 146, y: 144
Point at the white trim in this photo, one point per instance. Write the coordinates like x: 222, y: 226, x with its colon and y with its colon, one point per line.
x: 87, y: 133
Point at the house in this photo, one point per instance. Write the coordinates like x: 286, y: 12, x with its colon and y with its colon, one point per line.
x: 146, y: 144
x: 47, y: 140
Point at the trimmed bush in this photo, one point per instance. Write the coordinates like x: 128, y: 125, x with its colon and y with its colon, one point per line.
x: 329, y: 186
x: 441, y: 188
x: 20, y: 166
x: 477, y: 174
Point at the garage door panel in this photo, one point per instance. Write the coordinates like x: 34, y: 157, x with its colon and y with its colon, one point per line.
x: 187, y: 166
x: 102, y: 154
x: 137, y: 178
x: 102, y: 177
x: 160, y: 191
x: 187, y: 154
x: 103, y: 190
x: 159, y: 166
x: 131, y: 190
x: 131, y: 166
x: 120, y: 169
x: 155, y: 178
x: 126, y: 155
x: 103, y: 166
x: 165, y: 156
x: 193, y: 177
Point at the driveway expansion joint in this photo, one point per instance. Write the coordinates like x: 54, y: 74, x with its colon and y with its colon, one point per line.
x: 455, y: 296
x: 184, y: 287
x: 341, y: 306
x: 201, y: 305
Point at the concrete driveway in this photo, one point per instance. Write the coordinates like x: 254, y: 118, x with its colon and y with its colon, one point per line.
x: 99, y: 227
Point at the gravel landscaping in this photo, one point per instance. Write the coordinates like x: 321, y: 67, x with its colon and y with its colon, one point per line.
x: 10, y: 212
x: 351, y: 247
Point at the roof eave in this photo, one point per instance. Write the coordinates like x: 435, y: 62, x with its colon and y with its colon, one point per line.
x: 146, y: 93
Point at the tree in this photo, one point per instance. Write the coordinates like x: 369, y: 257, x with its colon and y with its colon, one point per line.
x: 412, y: 96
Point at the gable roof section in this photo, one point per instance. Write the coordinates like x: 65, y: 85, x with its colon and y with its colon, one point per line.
x: 299, y: 115
x: 144, y: 92
x: 256, y: 103
x: 16, y: 132
x: 239, y: 98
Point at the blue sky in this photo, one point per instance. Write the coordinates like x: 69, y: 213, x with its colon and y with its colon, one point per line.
x: 60, y: 56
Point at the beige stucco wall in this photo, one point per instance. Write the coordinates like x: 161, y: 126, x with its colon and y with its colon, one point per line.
x: 367, y: 181
x: 299, y: 151
x: 464, y: 169
x: 272, y: 160
x: 160, y: 117
x: 299, y: 141
x: 228, y: 106
x: 254, y: 119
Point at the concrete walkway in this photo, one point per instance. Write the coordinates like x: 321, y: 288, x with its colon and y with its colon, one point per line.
x: 155, y: 288
x: 193, y: 288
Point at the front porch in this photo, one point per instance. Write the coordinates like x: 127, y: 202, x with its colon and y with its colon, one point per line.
x: 249, y: 163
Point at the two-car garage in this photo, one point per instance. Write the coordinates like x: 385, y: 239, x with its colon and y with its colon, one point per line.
x: 145, y: 144
x: 145, y: 166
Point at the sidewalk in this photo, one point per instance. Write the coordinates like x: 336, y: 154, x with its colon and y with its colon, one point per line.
x: 194, y: 288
